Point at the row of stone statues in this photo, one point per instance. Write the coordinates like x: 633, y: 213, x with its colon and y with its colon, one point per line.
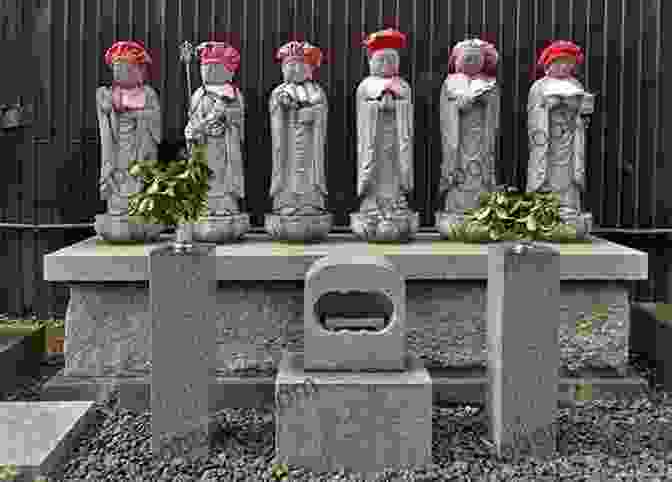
x: 130, y: 127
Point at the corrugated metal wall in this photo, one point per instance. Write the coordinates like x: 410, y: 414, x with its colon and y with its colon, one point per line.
x: 53, y: 176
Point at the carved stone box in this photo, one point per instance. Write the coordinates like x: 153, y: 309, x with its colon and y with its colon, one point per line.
x: 354, y: 314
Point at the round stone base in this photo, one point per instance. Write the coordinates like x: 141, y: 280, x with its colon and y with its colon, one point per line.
x: 221, y: 229
x: 308, y: 228
x: 445, y: 221
x: 120, y: 229
x: 398, y: 228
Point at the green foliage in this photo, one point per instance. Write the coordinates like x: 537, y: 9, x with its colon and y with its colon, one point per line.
x: 279, y: 472
x: 174, y: 193
x: 35, y: 322
x: 514, y: 216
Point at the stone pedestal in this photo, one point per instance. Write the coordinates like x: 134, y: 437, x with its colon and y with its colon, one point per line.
x: 523, y: 350
x: 260, y: 301
x: 309, y: 228
x: 359, y: 402
x: 182, y: 304
x: 396, y: 228
x: 121, y: 229
x: 222, y: 229
x: 364, y: 422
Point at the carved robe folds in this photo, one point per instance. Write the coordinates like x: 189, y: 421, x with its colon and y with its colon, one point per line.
x: 557, y: 140
x: 469, y: 133
x: 385, y: 143
x: 217, y: 116
x: 130, y: 131
x: 298, y: 184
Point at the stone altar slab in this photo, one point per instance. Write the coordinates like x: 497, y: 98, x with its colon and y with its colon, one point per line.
x: 260, y: 301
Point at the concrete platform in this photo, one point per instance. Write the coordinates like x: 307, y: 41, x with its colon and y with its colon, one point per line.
x: 260, y: 301
x: 37, y: 437
x: 364, y: 422
x: 449, y: 386
x: 260, y: 259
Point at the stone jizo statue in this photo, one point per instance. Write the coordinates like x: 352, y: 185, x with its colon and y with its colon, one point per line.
x: 469, y: 108
x: 129, y: 119
x: 384, y: 144
x: 298, y: 114
x: 556, y: 107
x: 216, y: 115
x: 217, y: 120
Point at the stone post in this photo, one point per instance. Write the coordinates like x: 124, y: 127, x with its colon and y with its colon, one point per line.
x: 182, y: 303
x: 523, y: 316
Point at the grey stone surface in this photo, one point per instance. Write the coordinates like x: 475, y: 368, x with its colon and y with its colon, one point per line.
x: 361, y: 421
x: 445, y: 325
x: 182, y: 301
x: 260, y: 259
x: 523, y: 351
x: 354, y: 349
x: 37, y: 436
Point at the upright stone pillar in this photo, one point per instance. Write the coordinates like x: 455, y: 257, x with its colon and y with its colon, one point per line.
x: 182, y: 303
x: 523, y: 317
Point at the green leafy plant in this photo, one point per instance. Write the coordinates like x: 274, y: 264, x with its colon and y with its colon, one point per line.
x: 279, y: 472
x: 172, y: 193
x: 508, y: 215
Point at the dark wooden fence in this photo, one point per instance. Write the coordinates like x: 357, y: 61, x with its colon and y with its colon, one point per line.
x: 53, y: 59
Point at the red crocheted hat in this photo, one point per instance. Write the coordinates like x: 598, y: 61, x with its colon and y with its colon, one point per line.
x: 219, y: 53
x: 385, y: 39
x: 560, y: 48
x: 127, y: 51
x: 300, y: 50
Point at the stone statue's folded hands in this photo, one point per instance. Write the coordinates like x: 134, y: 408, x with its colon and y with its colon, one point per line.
x: 464, y: 101
x: 286, y: 101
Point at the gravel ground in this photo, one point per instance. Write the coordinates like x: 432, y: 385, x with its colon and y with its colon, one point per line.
x: 598, y: 441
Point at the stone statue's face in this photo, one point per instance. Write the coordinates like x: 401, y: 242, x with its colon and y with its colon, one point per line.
x: 295, y: 71
x: 128, y: 75
x: 469, y: 62
x: 561, y: 68
x: 384, y: 63
x: 215, y: 74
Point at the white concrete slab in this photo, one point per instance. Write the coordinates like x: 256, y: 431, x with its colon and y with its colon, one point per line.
x: 261, y: 259
x: 37, y: 436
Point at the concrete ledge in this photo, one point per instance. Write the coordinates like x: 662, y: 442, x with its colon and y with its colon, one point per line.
x: 449, y: 385
x: 261, y: 259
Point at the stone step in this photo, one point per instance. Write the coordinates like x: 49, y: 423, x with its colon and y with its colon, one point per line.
x: 38, y: 437
x: 449, y: 385
x: 20, y: 357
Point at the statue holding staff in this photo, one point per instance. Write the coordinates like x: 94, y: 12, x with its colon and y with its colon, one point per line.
x: 216, y: 119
